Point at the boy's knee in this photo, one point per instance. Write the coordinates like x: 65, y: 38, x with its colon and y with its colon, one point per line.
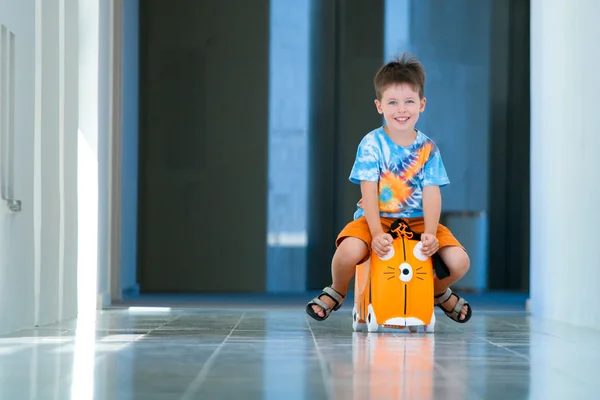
x: 463, y: 263
x: 466, y: 261
x: 351, y: 250
x: 457, y: 260
x: 467, y: 264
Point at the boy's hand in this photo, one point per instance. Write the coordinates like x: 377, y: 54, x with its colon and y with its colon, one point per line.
x: 430, y: 244
x: 382, y: 243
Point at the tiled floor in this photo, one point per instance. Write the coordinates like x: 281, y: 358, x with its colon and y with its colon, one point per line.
x: 260, y: 351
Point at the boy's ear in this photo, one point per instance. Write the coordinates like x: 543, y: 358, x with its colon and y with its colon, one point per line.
x: 423, y: 101
x: 378, y: 105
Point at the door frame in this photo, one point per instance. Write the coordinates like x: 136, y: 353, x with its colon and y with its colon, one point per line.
x: 115, y: 150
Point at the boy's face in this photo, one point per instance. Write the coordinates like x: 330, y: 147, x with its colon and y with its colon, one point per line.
x: 400, y: 105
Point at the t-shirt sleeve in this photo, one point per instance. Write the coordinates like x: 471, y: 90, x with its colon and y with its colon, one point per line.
x: 434, y: 172
x: 366, y: 164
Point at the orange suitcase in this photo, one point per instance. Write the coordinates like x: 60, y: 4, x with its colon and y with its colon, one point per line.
x: 397, y: 291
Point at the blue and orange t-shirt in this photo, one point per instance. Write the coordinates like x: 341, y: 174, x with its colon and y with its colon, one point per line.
x: 402, y: 172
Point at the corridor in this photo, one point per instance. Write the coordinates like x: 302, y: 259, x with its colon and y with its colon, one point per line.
x: 266, y: 348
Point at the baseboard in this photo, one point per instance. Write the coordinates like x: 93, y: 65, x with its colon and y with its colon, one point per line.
x: 132, y: 291
x: 103, y: 300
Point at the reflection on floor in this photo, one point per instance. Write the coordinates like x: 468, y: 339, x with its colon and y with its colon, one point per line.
x: 231, y: 349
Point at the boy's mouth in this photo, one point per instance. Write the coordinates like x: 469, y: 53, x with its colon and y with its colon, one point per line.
x: 402, y: 120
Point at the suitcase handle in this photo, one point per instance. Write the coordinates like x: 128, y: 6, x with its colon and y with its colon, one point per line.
x: 400, y: 228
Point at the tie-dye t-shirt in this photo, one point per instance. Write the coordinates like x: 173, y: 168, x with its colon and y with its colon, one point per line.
x: 402, y: 172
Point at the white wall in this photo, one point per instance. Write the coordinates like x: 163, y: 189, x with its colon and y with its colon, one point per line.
x: 50, y: 267
x: 38, y: 252
x: 16, y: 230
x: 56, y: 164
x: 565, y: 167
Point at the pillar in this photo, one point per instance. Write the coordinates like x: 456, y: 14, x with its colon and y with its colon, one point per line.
x: 344, y: 61
x: 565, y: 169
x: 92, y: 168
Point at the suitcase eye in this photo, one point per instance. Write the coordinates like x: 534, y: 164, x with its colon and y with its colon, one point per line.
x: 406, y: 272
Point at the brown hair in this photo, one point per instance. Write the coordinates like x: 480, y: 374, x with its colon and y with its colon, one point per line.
x: 405, y: 69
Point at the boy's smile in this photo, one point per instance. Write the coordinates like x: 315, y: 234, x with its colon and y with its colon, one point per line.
x: 400, y: 105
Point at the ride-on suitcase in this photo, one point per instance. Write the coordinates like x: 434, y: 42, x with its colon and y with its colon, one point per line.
x: 397, y: 291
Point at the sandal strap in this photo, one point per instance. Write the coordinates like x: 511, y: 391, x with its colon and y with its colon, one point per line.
x: 456, y: 311
x: 320, y: 303
x: 313, y: 314
x: 458, y: 307
x: 334, y: 294
x: 443, y: 297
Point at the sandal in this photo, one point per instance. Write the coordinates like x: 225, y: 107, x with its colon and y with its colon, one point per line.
x: 456, y: 311
x: 333, y: 294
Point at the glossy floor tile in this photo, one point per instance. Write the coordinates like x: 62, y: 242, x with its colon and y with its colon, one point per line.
x: 270, y: 349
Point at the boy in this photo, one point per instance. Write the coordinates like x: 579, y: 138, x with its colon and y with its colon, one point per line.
x: 400, y: 172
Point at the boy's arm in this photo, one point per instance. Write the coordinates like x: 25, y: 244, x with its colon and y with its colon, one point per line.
x: 381, y: 242
x: 370, y: 198
x: 432, y: 208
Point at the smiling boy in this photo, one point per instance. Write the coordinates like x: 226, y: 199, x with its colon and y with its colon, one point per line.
x: 400, y: 172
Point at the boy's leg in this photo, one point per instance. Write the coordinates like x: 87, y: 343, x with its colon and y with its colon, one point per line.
x: 353, y: 247
x: 454, y: 256
x: 343, y: 266
x: 457, y: 261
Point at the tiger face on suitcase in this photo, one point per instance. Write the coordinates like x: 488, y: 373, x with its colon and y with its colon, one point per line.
x: 395, y: 291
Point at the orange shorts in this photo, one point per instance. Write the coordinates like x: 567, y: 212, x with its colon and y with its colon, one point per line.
x: 360, y: 229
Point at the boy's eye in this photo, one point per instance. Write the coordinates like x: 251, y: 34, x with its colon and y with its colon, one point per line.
x: 410, y: 101
x: 392, y: 103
